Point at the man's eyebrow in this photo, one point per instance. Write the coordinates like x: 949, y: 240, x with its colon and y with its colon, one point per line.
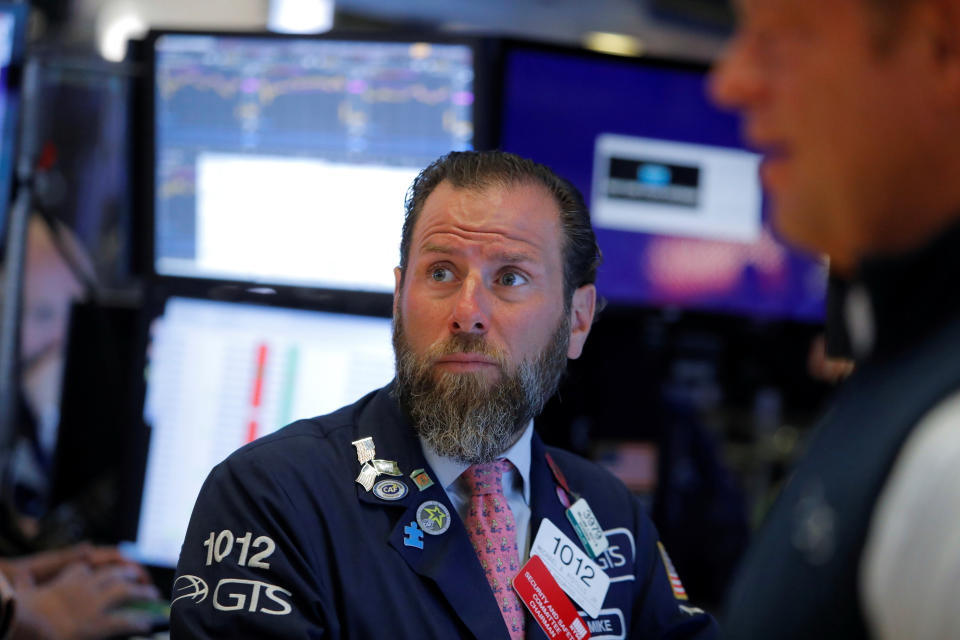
x: 437, y: 248
x: 512, y: 257
x: 509, y: 257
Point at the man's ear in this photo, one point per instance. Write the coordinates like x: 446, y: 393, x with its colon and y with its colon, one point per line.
x: 939, y: 21
x: 397, y: 276
x: 581, y: 318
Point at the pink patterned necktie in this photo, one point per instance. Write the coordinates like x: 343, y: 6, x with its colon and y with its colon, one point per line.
x: 493, y: 533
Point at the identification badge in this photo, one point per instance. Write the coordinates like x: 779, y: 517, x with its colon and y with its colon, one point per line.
x: 552, y: 610
x: 588, y: 529
x: 582, y: 578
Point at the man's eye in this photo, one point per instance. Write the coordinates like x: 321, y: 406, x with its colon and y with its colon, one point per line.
x: 440, y: 274
x: 512, y: 279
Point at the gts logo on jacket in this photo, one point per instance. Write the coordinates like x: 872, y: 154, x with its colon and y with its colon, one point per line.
x: 617, y: 560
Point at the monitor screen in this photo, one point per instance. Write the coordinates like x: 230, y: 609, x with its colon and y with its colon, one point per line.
x: 279, y: 160
x: 221, y: 374
x: 92, y: 140
x: 13, y: 20
x: 675, y: 197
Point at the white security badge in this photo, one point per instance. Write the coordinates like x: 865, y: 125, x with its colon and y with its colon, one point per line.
x: 588, y: 529
x: 580, y: 577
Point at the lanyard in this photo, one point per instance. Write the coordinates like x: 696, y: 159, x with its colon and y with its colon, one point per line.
x: 566, y: 495
x: 579, y: 514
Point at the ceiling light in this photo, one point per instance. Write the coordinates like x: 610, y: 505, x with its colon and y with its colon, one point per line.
x: 615, y: 43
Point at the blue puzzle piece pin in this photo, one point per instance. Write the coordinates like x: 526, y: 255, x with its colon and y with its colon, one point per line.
x: 413, y: 536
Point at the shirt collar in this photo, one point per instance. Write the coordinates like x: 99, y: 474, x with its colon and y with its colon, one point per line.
x: 897, y: 299
x: 448, y: 469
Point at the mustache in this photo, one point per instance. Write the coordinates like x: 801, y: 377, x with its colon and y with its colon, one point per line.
x: 466, y: 343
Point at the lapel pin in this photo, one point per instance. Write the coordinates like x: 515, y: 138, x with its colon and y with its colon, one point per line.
x: 365, y: 449
x: 367, y: 476
x: 433, y: 517
x: 413, y: 536
x: 387, y: 467
x: 390, y: 490
x: 421, y: 478
x: 370, y: 467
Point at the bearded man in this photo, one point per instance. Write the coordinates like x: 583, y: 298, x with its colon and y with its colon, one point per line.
x: 409, y: 513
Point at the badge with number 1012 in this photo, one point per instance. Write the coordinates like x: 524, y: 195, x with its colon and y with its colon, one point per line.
x: 580, y: 577
x: 220, y: 546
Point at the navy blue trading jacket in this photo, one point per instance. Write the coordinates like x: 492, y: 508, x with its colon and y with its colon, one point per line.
x: 283, y: 543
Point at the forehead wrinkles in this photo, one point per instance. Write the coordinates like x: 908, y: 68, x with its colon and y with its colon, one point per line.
x: 444, y: 237
x: 520, y: 219
x: 517, y: 232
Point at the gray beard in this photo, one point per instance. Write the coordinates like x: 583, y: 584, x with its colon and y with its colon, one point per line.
x: 461, y: 415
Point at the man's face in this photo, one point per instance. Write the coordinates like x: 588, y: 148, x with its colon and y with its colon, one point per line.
x: 840, y: 119
x: 481, y: 332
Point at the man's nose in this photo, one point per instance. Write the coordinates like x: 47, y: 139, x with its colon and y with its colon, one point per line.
x: 471, y: 309
x: 737, y: 79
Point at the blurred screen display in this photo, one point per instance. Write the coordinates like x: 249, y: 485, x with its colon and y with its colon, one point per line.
x: 12, y: 27
x: 675, y: 197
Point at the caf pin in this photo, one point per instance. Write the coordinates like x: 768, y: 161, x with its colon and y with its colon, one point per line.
x: 390, y: 490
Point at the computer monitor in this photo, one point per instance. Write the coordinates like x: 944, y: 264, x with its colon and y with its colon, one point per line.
x: 286, y: 160
x: 220, y: 374
x: 675, y: 196
x: 90, y: 186
x: 13, y: 26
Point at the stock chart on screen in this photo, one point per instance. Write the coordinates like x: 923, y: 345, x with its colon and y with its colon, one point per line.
x: 221, y: 374
x: 277, y: 160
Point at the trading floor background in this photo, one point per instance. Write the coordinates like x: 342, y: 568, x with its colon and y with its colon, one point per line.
x: 207, y: 223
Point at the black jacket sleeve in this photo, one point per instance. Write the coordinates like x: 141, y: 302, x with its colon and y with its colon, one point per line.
x: 245, y: 570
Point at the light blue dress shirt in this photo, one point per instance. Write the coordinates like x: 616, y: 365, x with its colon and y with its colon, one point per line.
x: 516, y: 484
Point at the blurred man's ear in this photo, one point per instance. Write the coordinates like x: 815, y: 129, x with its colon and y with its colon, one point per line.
x: 581, y: 318
x: 939, y: 22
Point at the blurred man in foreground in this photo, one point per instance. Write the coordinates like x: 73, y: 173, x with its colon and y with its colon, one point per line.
x: 856, y: 107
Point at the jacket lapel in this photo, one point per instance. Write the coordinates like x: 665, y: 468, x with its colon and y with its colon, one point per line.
x: 447, y: 559
x: 544, y: 503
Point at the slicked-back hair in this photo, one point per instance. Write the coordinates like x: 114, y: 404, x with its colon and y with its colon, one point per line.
x: 478, y: 170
